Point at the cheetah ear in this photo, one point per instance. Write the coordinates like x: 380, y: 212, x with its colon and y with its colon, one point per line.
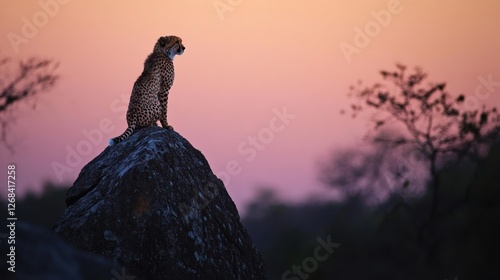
x: 162, y: 41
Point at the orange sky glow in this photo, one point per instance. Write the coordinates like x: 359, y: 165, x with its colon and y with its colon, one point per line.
x: 245, y: 63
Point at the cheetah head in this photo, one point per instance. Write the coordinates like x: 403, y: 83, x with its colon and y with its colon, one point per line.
x: 170, y: 46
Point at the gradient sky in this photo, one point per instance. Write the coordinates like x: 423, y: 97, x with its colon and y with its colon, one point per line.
x: 243, y: 60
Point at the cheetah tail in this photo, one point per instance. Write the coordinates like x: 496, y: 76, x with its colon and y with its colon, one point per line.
x: 122, y: 137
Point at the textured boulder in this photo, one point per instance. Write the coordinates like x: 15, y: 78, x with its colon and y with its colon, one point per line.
x: 153, y: 204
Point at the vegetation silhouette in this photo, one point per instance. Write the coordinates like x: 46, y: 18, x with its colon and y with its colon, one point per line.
x: 39, y: 209
x: 420, y: 201
x: 431, y: 122
x: 33, y: 76
x: 381, y: 241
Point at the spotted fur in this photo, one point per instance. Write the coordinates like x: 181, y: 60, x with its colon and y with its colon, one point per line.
x: 149, y: 98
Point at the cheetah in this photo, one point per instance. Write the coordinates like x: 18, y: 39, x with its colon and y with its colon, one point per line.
x: 148, y: 101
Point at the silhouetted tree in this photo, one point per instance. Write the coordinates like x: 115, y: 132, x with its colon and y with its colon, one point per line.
x: 429, y: 121
x: 374, y: 172
x: 379, y: 241
x: 42, y: 208
x: 33, y: 76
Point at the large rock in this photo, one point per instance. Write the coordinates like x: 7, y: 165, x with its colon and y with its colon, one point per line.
x: 153, y: 204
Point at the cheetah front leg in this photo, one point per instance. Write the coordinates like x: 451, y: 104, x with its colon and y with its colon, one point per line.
x: 163, y: 110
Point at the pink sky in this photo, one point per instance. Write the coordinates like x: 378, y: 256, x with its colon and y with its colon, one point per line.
x: 242, y: 63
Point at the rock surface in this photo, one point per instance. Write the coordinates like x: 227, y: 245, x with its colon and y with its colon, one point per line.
x: 153, y: 204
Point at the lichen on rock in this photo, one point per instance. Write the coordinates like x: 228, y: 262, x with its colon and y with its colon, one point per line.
x: 153, y: 204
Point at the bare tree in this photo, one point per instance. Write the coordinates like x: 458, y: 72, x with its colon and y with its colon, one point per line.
x: 33, y: 76
x: 429, y: 120
x: 374, y: 171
